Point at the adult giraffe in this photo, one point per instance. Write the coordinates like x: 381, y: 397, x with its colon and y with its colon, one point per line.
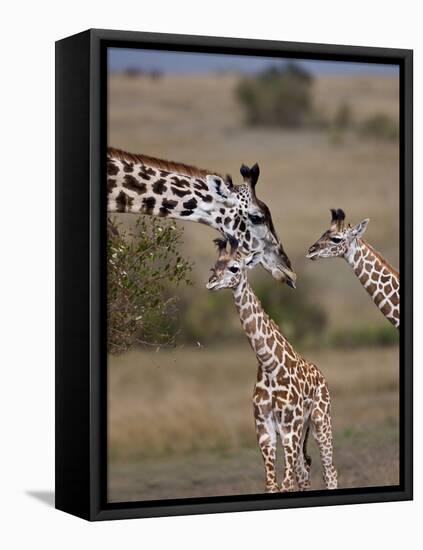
x: 378, y: 277
x: 143, y: 184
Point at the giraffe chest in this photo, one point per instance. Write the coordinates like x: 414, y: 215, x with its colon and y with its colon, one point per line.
x: 283, y: 388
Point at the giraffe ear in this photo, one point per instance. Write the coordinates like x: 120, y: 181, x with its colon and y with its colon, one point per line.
x: 358, y: 230
x: 222, y: 191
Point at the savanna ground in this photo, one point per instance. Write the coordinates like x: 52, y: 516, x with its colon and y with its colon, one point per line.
x: 180, y: 420
x: 182, y: 423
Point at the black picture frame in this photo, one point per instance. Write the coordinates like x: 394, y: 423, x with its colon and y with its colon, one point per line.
x: 81, y: 381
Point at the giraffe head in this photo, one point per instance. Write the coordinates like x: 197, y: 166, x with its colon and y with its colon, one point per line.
x: 229, y: 269
x: 339, y: 239
x: 143, y: 184
x: 249, y: 221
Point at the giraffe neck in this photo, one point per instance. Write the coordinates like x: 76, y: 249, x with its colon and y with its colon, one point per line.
x: 264, y: 335
x: 154, y: 187
x: 378, y: 277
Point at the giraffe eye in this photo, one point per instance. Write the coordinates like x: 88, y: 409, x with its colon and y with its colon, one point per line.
x: 256, y: 220
x: 234, y: 269
x: 336, y: 240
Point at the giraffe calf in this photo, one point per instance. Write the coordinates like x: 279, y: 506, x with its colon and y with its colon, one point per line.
x: 291, y: 396
x: 378, y: 277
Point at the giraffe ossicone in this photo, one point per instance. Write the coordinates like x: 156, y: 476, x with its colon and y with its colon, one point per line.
x: 378, y: 277
x: 140, y: 184
x: 291, y: 396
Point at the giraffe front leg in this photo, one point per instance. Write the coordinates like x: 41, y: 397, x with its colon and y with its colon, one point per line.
x: 290, y: 430
x: 322, y: 432
x: 291, y: 451
x: 266, y: 437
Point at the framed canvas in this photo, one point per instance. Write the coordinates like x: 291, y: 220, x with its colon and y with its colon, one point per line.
x: 195, y: 376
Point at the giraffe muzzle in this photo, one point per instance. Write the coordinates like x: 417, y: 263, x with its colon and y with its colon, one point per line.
x: 284, y: 275
x: 312, y: 253
x: 212, y: 284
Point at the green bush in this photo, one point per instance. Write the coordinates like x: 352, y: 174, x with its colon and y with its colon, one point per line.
x: 343, y: 118
x: 302, y: 321
x: 341, y: 122
x: 142, y: 265
x: 365, y: 336
x: 278, y: 96
x: 209, y: 319
x: 380, y: 126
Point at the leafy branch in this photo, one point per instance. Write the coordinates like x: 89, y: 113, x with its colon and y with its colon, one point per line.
x: 144, y: 264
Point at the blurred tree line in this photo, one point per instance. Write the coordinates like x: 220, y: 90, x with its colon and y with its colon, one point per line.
x: 282, y: 96
x: 277, y: 96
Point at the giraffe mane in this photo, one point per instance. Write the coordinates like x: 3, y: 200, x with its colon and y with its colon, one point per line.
x: 382, y: 260
x: 161, y: 164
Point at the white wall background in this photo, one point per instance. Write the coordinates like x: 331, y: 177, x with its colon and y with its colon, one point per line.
x: 28, y: 32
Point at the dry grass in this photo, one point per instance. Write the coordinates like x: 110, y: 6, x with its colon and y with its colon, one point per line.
x: 195, y: 406
x: 188, y: 400
x: 198, y: 121
x: 212, y: 474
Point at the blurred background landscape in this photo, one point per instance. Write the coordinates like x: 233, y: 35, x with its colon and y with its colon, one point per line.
x: 325, y: 136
